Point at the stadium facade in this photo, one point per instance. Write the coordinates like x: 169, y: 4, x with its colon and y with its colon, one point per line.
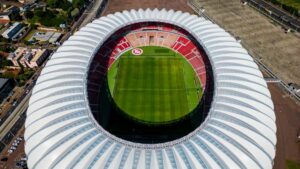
x: 238, y: 132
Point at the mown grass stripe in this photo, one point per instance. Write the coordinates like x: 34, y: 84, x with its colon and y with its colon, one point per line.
x: 155, y: 87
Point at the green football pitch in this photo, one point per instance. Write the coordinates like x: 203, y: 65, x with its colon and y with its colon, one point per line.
x: 159, y: 86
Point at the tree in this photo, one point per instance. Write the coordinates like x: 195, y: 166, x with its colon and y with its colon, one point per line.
x: 15, y: 16
x: 27, y: 43
x: 2, y: 39
x: 24, y: 76
x: 62, y: 4
x: 75, y: 12
x: 28, y: 14
x: 4, y: 63
x: 39, y: 12
x: 33, y: 26
x: 78, y: 3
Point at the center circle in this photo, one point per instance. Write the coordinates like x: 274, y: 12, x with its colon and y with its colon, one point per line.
x: 154, y: 85
x: 137, y: 51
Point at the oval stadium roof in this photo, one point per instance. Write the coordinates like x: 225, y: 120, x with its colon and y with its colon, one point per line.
x: 239, y: 132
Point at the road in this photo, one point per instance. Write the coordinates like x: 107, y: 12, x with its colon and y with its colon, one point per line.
x: 92, y: 11
x: 14, y: 117
x: 15, y: 112
x: 276, y: 13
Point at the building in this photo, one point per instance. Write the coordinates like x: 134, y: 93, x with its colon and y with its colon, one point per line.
x: 41, y: 36
x: 4, y: 19
x: 13, y: 70
x: 6, y: 87
x: 12, y: 9
x: 28, y: 58
x: 16, y: 55
x: 61, y: 129
x: 54, y: 38
x: 39, y: 57
x: 13, y: 31
x: 49, y: 36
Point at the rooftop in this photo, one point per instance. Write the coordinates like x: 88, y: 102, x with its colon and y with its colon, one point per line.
x: 38, y: 54
x: 11, y: 27
x: 2, y: 81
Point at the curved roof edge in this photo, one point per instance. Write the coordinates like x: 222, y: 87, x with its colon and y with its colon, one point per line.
x: 239, y: 132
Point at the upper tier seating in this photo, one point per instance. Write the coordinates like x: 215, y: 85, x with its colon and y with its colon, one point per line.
x: 151, y: 35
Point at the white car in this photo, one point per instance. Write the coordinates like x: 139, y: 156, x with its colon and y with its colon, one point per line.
x: 15, y: 103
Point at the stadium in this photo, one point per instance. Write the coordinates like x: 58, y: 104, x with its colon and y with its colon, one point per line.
x: 150, y: 89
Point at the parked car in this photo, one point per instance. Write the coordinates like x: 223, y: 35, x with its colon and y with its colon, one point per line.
x: 14, y: 103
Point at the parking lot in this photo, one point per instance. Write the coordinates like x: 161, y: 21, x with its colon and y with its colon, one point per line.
x: 262, y: 37
x: 13, y: 156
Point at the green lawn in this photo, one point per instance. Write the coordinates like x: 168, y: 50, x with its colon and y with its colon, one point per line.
x: 292, y: 6
x: 158, y: 86
x: 292, y: 164
x: 30, y: 34
x: 293, y: 3
x: 49, y: 18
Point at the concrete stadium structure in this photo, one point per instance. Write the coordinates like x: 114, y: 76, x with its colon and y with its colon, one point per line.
x: 239, y: 131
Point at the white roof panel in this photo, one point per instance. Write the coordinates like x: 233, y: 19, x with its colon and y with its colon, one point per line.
x: 239, y: 132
